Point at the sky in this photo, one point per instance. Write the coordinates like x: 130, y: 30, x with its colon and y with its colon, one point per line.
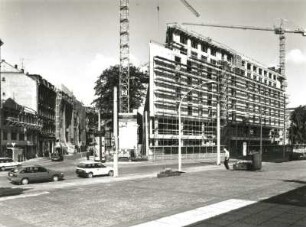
x: 71, y: 42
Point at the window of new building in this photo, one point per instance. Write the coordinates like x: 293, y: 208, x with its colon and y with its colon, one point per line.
x: 188, y: 66
x: 178, y: 91
x: 260, y: 71
x: 213, y: 51
x: 189, y: 80
x: 177, y: 59
x: 234, y: 116
x: 204, y: 58
x: 13, y: 136
x: 194, y: 44
x: 189, y: 97
x: 177, y: 77
x: 209, y: 100
x: 3, y: 79
x: 204, y: 48
x: 248, y: 66
x: 254, y: 68
x: 200, y: 111
x: 21, y: 136
x: 243, y: 63
x: 189, y: 110
x: 212, y: 61
x: 183, y: 39
x: 194, y: 54
x: 183, y: 50
x: 200, y: 98
x: 209, y: 76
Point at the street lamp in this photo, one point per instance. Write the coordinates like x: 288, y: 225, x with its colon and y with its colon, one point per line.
x: 180, y: 123
x: 1, y: 43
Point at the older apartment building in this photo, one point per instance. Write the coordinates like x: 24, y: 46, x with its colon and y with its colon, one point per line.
x: 250, y: 94
x: 36, y: 113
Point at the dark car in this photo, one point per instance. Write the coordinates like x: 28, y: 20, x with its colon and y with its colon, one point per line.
x: 35, y: 173
x: 57, y: 157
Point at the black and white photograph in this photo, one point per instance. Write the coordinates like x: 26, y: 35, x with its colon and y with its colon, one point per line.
x: 152, y: 113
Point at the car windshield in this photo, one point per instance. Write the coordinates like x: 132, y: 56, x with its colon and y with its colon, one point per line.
x: 81, y: 165
x: 90, y: 165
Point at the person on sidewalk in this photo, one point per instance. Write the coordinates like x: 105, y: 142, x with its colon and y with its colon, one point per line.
x: 226, y: 157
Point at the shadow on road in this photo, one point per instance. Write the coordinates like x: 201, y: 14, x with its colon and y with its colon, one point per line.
x: 286, y: 209
x: 9, y: 191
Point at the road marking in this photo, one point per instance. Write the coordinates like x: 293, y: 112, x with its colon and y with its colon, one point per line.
x: 23, y: 196
x: 199, y: 214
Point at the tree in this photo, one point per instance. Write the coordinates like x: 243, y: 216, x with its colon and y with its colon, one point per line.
x: 110, y: 78
x: 297, y: 130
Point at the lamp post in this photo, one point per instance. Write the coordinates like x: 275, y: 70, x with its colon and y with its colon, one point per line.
x: 284, y: 133
x: 1, y: 43
x: 180, y: 123
x: 260, y: 151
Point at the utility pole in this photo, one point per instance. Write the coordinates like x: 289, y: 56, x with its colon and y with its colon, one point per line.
x: 115, y: 132
x: 99, y: 131
x: 1, y: 43
x: 218, y: 133
x: 284, y: 133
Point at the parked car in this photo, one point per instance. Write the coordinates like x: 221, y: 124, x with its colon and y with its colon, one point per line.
x: 92, y: 168
x: 33, y: 173
x: 57, y: 157
x: 8, y: 163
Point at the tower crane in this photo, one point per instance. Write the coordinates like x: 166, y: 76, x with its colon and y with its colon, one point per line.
x: 124, y: 71
x: 280, y: 30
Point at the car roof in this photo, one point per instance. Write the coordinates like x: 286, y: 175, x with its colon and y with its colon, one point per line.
x: 29, y: 165
x: 89, y: 162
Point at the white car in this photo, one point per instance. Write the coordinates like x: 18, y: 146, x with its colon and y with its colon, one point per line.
x: 92, y: 168
x: 8, y: 163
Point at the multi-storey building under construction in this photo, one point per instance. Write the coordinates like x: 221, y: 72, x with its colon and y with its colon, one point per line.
x: 251, y: 97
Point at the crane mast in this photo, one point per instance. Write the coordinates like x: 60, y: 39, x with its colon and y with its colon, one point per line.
x: 124, y: 69
x: 277, y: 30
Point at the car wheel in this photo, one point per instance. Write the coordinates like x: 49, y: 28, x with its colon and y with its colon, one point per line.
x: 3, y: 168
x: 90, y: 175
x: 55, y: 178
x: 25, y: 181
x: 111, y: 173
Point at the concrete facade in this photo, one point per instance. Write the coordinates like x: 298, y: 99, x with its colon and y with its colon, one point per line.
x: 70, y: 121
x: 17, y: 85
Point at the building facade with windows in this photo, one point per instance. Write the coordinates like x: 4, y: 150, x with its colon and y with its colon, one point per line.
x: 251, y: 97
x: 46, y: 111
x: 70, y: 120
x: 54, y: 112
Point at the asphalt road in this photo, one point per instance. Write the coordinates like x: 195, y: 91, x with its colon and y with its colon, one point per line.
x: 125, y: 168
x: 130, y: 201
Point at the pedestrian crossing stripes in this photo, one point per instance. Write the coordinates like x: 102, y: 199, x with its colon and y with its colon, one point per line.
x: 199, y: 214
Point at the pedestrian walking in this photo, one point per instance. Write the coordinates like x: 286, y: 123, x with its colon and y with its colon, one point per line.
x: 87, y: 155
x: 226, y: 157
